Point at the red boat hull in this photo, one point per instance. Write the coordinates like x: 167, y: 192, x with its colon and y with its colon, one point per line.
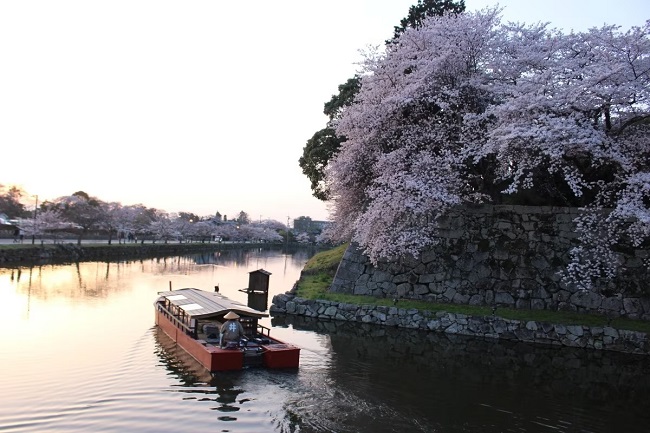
x: 275, y: 355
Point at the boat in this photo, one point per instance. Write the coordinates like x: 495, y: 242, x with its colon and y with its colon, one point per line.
x: 193, y: 317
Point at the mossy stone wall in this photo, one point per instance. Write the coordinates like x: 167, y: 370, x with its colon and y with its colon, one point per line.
x: 512, y: 256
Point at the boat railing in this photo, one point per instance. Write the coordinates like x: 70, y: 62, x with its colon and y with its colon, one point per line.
x: 263, y: 329
x: 175, y: 320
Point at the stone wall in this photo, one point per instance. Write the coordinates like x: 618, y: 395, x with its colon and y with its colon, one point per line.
x: 510, y: 256
x: 597, y: 338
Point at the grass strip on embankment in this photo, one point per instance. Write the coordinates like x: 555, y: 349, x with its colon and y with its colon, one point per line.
x: 319, y: 272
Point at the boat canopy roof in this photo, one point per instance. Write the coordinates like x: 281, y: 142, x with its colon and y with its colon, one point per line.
x: 199, y: 303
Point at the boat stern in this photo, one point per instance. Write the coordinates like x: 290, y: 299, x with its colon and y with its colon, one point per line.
x: 281, y: 356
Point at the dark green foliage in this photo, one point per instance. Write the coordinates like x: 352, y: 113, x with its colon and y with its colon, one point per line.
x: 325, y: 143
x: 189, y: 216
x: 85, y: 196
x: 243, y: 218
x: 424, y: 9
x: 345, y: 97
x: 316, y: 154
x: 10, y: 204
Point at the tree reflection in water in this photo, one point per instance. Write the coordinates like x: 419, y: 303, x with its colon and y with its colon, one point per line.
x: 447, y: 377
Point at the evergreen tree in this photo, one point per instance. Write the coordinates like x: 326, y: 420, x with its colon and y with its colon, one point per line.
x: 324, y: 144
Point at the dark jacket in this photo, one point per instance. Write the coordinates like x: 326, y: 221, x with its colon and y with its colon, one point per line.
x: 232, y: 330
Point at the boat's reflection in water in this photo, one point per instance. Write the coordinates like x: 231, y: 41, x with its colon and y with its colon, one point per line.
x: 372, y: 378
x: 229, y: 391
x: 195, y: 378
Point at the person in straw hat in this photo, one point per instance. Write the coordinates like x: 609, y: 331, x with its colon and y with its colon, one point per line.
x: 231, y: 330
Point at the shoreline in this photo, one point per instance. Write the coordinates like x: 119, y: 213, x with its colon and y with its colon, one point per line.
x: 492, y: 327
x: 14, y: 255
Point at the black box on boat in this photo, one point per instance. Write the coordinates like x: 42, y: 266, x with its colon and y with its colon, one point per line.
x: 211, y: 331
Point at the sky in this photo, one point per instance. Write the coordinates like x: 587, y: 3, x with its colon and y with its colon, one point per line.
x: 198, y: 106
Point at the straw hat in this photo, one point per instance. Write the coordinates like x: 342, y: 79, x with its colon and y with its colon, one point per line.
x: 231, y: 315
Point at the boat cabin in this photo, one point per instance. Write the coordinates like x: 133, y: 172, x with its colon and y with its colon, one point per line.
x: 200, y: 314
x: 193, y: 318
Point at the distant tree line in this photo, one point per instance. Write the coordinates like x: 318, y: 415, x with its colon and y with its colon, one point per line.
x: 82, y: 215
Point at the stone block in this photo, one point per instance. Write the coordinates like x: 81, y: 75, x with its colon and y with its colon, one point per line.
x: 476, y: 300
x: 449, y: 294
x: 523, y: 304
x: 632, y: 306
x: 537, y: 304
x: 362, y: 290
x: 504, y: 298
x: 586, y: 299
x: 576, y: 330
x: 380, y: 276
x: 403, y: 289
x: 420, y: 289
x: 531, y: 326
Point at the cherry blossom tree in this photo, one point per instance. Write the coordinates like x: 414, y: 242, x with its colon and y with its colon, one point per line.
x: 203, y: 230
x: 164, y: 227
x: 270, y: 235
x: 183, y: 227
x: 303, y: 238
x: 48, y: 223
x: 273, y: 225
x: 134, y: 220
x: 112, y: 220
x: 467, y: 109
x: 267, y: 230
x: 228, y: 232
x: 324, y: 144
x: 81, y: 209
x: 250, y: 232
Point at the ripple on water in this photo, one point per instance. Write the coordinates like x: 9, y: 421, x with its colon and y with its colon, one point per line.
x: 350, y: 380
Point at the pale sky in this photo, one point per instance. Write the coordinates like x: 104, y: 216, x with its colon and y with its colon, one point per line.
x: 198, y: 106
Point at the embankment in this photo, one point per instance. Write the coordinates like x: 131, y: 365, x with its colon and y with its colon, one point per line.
x: 67, y: 253
x: 582, y: 336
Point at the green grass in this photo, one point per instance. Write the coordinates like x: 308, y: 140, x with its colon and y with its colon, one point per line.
x: 320, y: 269
x: 325, y: 262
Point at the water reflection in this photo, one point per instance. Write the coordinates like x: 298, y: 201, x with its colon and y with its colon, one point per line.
x: 222, y: 390
x: 78, y: 344
x: 443, y: 378
x: 376, y: 379
x: 102, y: 279
x: 87, y: 355
x: 251, y: 393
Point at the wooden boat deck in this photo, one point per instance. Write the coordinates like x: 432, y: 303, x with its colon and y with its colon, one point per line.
x: 193, y: 319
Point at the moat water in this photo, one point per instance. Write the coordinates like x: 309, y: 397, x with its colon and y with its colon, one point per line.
x: 79, y: 352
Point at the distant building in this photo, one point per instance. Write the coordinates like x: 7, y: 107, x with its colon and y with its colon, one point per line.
x: 305, y: 224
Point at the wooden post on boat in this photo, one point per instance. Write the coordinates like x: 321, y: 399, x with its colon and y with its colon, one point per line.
x: 258, y: 281
x: 258, y: 289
